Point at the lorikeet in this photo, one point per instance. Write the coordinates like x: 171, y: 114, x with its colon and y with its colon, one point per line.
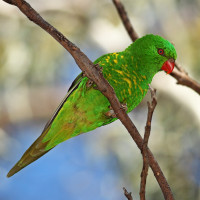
x: 84, y: 108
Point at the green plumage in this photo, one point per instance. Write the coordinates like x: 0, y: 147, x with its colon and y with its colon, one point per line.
x: 84, y: 108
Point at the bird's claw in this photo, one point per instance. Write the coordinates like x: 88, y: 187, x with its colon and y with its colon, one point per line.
x: 99, y: 67
x: 111, y: 112
x: 89, y: 83
x: 124, y: 106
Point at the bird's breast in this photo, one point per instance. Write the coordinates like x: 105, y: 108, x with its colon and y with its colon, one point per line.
x: 130, y: 88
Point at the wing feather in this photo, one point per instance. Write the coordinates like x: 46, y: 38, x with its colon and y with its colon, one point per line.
x: 37, y: 149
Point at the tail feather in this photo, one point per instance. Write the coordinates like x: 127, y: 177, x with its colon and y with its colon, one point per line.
x: 35, y: 151
x: 40, y: 147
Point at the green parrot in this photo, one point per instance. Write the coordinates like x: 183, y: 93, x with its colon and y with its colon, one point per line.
x: 85, y: 108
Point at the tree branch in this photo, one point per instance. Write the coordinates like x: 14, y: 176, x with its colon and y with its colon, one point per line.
x: 124, y: 17
x: 127, y: 194
x: 94, y: 73
x: 144, y: 173
x: 183, y: 79
x: 180, y: 75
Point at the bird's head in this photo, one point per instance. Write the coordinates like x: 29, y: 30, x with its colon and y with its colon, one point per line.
x: 154, y: 53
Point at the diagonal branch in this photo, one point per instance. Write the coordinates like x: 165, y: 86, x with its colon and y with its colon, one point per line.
x: 124, y: 17
x: 180, y: 75
x: 94, y: 73
x: 127, y: 194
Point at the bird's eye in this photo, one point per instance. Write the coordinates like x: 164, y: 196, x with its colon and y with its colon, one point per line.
x: 160, y: 51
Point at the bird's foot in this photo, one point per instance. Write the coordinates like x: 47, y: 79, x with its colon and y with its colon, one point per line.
x: 99, y: 67
x: 124, y: 106
x: 111, y: 112
x: 89, y: 83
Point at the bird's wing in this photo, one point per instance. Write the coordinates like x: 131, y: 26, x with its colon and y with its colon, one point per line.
x: 73, y: 87
x: 37, y: 149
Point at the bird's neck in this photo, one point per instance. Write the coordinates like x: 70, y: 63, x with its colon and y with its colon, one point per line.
x: 142, y: 67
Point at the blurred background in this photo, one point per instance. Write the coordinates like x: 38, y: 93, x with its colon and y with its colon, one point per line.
x: 36, y: 72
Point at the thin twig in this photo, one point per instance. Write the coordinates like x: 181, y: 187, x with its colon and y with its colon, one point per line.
x: 180, y: 75
x: 124, y: 17
x: 144, y: 173
x: 94, y: 73
x: 127, y: 194
x: 183, y: 79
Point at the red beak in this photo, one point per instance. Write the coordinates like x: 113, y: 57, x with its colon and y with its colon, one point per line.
x: 168, y: 66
